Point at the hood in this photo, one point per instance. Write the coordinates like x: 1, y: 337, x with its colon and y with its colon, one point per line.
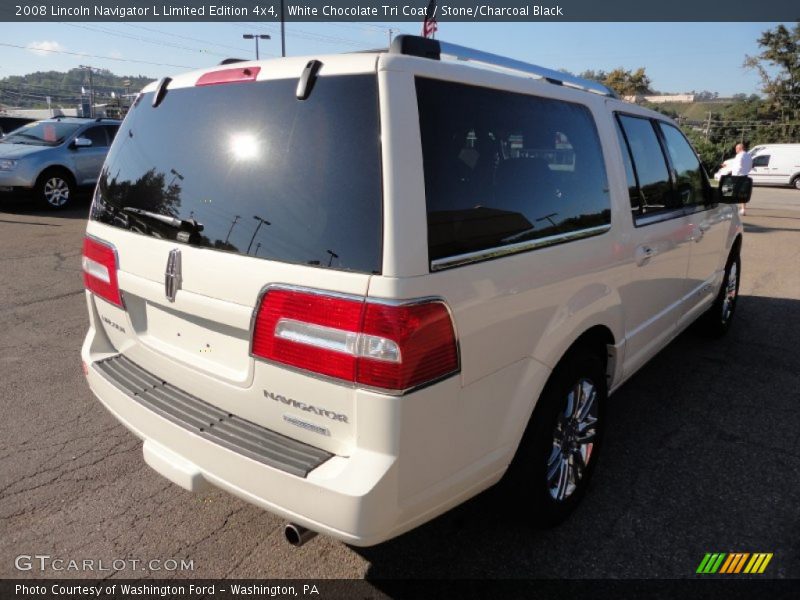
x: 20, y: 150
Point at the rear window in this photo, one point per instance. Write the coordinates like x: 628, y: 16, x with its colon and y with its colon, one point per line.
x: 250, y: 169
x: 505, y: 172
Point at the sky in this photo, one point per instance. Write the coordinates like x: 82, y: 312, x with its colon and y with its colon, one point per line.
x: 678, y: 57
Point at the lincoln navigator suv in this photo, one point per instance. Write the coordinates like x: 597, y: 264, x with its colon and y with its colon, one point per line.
x: 363, y: 287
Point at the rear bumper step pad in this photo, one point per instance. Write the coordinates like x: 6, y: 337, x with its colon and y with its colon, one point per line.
x: 205, y: 420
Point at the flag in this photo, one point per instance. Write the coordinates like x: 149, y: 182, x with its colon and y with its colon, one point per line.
x: 429, y: 25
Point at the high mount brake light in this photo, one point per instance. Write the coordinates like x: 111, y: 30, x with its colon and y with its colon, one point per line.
x: 99, y: 263
x: 235, y: 75
x: 371, y: 344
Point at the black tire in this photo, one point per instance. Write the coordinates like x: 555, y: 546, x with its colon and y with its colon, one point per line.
x: 530, y: 478
x: 717, y: 320
x: 796, y: 182
x: 55, y: 189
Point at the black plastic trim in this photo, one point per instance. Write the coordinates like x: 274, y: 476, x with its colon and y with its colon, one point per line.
x: 305, y: 84
x: 413, y: 45
x: 209, y: 422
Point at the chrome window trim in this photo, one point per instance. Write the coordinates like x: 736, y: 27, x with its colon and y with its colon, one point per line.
x: 660, y: 216
x: 356, y: 298
x: 458, y: 260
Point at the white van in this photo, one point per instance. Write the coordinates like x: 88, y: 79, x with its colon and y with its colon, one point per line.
x: 776, y: 164
x: 352, y: 289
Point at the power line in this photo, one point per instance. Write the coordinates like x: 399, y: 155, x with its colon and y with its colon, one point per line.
x: 84, y: 55
x: 113, y: 33
x: 185, y: 37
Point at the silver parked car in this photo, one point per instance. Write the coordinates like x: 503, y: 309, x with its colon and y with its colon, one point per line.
x: 54, y: 157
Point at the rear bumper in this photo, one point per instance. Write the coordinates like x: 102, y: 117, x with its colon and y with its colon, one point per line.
x: 323, y: 501
x: 356, y: 499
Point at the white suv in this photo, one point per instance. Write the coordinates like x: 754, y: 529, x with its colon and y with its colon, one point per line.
x: 350, y: 290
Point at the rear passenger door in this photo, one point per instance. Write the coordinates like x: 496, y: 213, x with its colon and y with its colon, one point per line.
x: 659, y: 242
x: 709, y: 223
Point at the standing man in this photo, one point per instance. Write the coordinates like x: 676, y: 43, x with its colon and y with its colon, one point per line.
x: 741, y: 165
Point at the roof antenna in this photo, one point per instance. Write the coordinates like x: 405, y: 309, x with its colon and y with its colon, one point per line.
x: 161, y: 90
x: 308, y: 79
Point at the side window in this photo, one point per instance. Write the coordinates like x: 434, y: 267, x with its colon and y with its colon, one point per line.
x: 630, y: 175
x: 691, y: 183
x: 502, y: 169
x: 111, y: 131
x: 761, y: 160
x: 97, y: 135
x: 649, y: 164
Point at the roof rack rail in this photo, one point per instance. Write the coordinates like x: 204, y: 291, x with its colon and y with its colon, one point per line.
x: 230, y: 61
x: 413, y: 45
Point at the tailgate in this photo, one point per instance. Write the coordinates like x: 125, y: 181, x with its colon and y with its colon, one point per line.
x: 218, y: 191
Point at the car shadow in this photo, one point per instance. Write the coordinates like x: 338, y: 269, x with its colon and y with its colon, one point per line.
x: 702, y: 454
x: 19, y: 206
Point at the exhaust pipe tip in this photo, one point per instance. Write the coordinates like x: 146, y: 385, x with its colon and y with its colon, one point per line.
x: 297, y: 535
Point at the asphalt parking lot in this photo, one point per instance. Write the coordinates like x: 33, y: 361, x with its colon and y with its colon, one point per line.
x: 702, y: 452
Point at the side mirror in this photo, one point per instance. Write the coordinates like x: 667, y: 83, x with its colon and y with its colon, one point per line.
x: 80, y: 142
x: 734, y: 189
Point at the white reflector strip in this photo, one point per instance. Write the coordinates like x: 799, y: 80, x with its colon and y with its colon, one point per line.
x: 338, y: 340
x: 96, y: 270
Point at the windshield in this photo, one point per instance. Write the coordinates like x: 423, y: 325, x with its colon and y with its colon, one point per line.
x: 42, y: 133
x: 248, y: 168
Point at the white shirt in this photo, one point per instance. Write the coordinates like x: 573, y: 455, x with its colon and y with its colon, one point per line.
x: 741, y: 164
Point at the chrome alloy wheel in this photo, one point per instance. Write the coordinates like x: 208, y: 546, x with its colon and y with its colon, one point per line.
x: 730, y: 292
x: 573, y: 440
x: 56, y: 191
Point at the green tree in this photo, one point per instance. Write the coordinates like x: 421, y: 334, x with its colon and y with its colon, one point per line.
x: 628, y: 83
x: 778, y: 65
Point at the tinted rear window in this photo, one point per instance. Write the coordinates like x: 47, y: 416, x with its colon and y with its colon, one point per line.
x: 263, y: 173
x: 503, y: 168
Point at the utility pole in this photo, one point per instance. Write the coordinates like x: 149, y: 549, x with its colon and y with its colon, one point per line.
x: 283, y: 32
x: 708, y: 125
x: 390, y: 32
x: 91, y: 88
x: 127, y: 84
x: 233, y: 224
x: 256, y: 37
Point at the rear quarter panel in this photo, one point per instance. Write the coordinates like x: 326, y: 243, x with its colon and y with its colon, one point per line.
x: 515, y: 316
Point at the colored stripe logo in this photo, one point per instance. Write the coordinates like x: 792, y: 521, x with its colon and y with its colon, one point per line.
x: 734, y: 563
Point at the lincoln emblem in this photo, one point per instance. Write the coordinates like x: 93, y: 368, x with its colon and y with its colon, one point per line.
x: 172, y: 276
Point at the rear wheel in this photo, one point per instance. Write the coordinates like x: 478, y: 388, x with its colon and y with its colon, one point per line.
x: 717, y: 320
x: 559, y: 450
x: 55, y: 189
x: 796, y: 182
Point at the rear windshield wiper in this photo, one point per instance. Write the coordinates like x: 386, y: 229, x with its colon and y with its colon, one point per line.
x: 187, y: 227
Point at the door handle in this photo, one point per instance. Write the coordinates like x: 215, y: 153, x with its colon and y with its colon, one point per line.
x: 644, y: 254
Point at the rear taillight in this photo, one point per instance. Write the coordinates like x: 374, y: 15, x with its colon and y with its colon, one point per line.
x: 394, y: 347
x: 100, y: 270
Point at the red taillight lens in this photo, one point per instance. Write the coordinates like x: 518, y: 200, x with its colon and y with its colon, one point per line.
x: 100, y: 270
x: 372, y: 344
